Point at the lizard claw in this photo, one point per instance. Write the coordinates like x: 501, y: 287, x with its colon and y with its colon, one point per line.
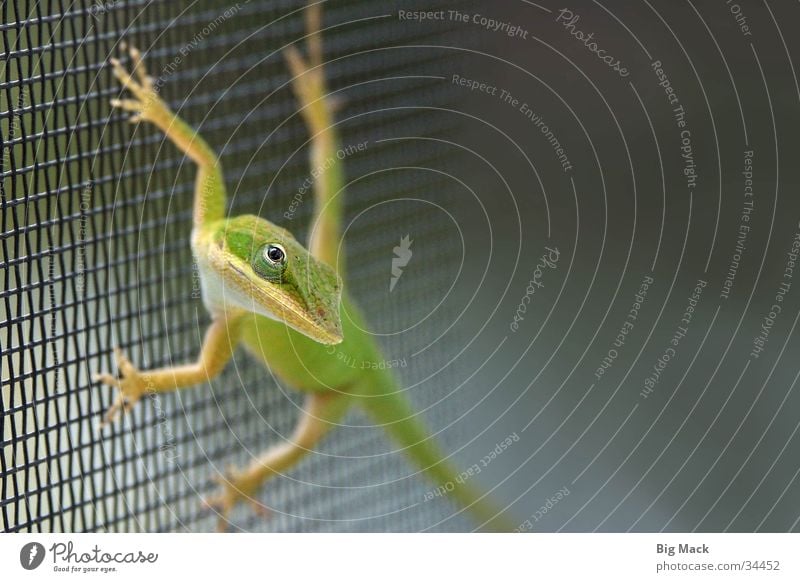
x: 139, y: 69
x: 130, y: 387
x: 147, y: 105
x: 235, y: 486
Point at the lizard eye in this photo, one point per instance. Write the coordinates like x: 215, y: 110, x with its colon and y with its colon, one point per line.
x: 275, y: 254
x: 270, y: 262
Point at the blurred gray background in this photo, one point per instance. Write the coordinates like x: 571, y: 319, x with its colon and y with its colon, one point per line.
x: 710, y: 447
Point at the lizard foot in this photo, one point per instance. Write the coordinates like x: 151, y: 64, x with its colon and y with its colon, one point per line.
x: 236, y: 485
x: 147, y: 105
x: 131, y: 386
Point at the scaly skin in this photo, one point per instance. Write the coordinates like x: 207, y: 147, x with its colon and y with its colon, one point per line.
x: 284, y: 307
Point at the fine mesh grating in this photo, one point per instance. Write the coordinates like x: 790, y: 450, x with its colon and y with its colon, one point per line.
x: 94, y: 253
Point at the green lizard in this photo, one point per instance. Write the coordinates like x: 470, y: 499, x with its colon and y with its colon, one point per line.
x: 280, y: 301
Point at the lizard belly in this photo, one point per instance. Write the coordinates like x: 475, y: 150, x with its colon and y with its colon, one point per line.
x: 305, y: 364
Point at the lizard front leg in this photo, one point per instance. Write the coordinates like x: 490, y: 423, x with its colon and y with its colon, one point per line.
x: 220, y: 340
x: 209, y: 195
x: 321, y: 412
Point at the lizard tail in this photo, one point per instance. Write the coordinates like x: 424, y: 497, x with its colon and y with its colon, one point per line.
x: 387, y: 405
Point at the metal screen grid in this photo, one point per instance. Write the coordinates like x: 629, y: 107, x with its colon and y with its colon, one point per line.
x: 95, y: 223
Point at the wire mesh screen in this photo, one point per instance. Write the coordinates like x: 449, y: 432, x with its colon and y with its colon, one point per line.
x: 96, y: 216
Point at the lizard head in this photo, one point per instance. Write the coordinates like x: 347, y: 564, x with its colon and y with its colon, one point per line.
x: 259, y: 267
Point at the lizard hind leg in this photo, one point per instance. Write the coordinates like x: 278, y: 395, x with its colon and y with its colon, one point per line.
x: 321, y: 412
